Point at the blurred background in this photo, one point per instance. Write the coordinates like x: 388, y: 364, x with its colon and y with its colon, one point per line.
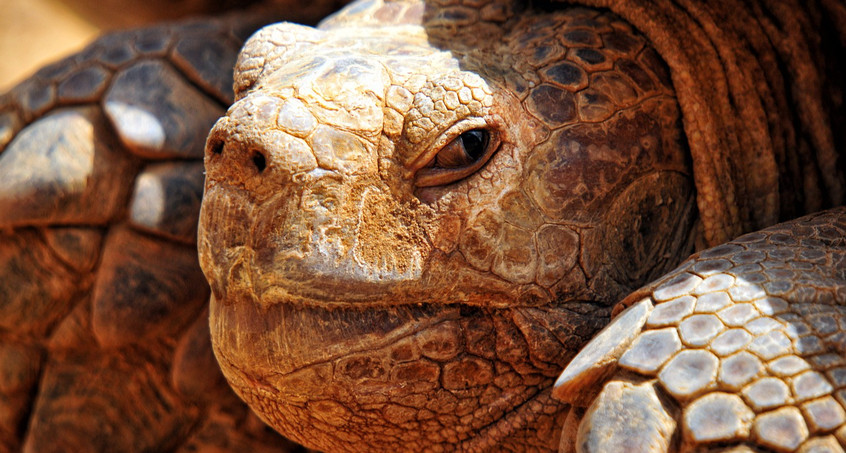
x: 36, y: 32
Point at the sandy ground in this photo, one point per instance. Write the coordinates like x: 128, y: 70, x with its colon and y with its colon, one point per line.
x: 36, y: 32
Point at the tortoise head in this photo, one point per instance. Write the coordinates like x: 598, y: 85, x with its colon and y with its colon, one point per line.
x: 415, y: 216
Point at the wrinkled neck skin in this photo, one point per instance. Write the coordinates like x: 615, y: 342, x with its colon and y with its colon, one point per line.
x: 415, y: 215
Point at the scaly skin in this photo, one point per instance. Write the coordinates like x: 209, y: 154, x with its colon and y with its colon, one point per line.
x: 104, y: 346
x: 745, y: 346
x: 380, y: 283
x: 365, y: 300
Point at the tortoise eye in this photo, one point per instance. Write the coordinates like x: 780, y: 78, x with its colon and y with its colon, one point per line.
x: 457, y: 159
x: 475, y: 142
x: 464, y: 150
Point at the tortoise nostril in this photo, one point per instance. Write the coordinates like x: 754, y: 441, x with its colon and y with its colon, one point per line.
x: 259, y: 161
x: 217, y: 146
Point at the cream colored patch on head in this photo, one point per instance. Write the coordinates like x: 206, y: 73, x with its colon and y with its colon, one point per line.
x: 388, y: 238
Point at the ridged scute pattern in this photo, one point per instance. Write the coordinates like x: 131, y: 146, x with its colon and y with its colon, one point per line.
x: 102, y: 292
x: 765, y: 366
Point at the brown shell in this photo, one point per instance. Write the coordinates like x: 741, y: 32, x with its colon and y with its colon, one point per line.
x: 104, y: 341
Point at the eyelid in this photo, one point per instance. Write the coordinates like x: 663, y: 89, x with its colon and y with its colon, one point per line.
x: 444, y: 139
x: 427, y: 177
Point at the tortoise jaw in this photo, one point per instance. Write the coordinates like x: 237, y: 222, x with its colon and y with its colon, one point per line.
x: 316, y: 373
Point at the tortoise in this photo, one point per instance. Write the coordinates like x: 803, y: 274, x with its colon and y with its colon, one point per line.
x: 418, y: 214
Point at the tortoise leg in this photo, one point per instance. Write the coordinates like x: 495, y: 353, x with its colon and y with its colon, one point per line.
x: 745, y: 347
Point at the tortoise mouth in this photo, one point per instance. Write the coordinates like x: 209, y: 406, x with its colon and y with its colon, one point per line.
x: 275, y: 341
x: 243, y: 278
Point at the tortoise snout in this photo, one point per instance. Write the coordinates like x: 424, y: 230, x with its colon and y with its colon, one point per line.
x: 251, y: 159
x: 250, y: 147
